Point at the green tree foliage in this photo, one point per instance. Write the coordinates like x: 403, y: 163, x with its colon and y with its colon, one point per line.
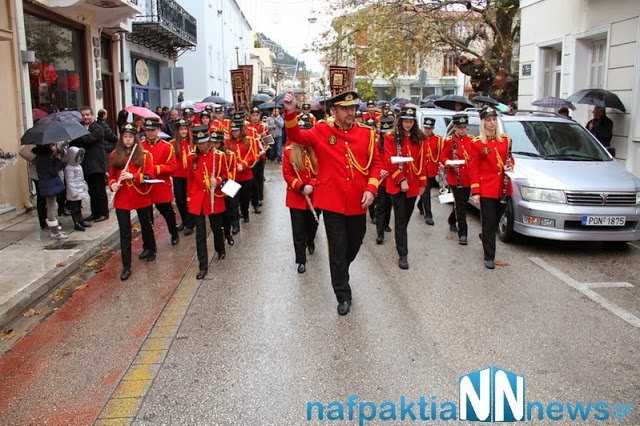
x: 389, y: 38
x: 364, y: 88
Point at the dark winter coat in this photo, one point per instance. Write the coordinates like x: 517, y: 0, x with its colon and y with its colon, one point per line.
x: 48, y: 168
x: 95, y: 157
x: 110, y: 138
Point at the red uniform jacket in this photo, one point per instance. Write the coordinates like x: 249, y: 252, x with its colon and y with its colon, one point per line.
x: 348, y: 163
x: 199, y: 171
x: 376, y: 116
x: 182, y: 158
x: 260, y: 129
x: 231, y: 164
x: 133, y: 194
x: 433, y: 148
x: 414, y: 172
x: 244, y: 155
x: 464, y: 153
x: 295, y: 199
x: 223, y: 125
x: 486, y: 168
x: 164, y: 166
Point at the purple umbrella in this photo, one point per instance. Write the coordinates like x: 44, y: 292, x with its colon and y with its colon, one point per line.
x: 62, y: 116
x: 553, y: 102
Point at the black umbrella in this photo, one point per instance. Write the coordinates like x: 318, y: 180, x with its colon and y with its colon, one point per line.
x: 426, y: 99
x: 267, y: 105
x: 598, y: 97
x: 259, y: 99
x: 216, y: 100
x: 553, y: 102
x: 278, y: 99
x: 449, y: 102
x: 55, y: 131
x: 62, y: 116
x: 429, y: 103
x: 485, y: 100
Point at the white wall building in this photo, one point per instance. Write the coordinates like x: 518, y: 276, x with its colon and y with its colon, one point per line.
x: 224, y: 39
x: 569, y: 45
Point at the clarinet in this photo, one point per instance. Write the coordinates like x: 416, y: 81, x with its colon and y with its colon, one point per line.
x: 454, y: 154
x: 505, y: 178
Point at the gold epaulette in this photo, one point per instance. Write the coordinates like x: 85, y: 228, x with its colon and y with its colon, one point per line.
x: 364, y: 125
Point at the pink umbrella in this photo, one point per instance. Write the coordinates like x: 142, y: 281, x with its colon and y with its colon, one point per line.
x: 142, y: 112
x: 202, y: 105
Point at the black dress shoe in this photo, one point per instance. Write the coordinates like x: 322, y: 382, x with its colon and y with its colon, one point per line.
x: 187, y: 231
x: 301, y: 268
x: 374, y: 220
x: 145, y: 253
x: 343, y: 308
x: 181, y: 227
x: 429, y: 220
x: 100, y: 219
x: 260, y: 203
x: 78, y: 227
x: 175, y: 239
x: 403, y: 263
x: 257, y: 210
x: 489, y: 264
x: 90, y: 218
x: 246, y: 219
x: 125, y: 275
x: 230, y: 240
x: 201, y: 274
x: 453, y: 228
x: 235, y: 230
x: 222, y: 255
x: 151, y: 257
x: 462, y: 240
x: 387, y: 229
x: 85, y: 223
x: 311, y: 247
x: 379, y: 239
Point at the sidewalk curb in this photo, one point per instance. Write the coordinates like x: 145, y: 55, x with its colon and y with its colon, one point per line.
x: 14, y: 306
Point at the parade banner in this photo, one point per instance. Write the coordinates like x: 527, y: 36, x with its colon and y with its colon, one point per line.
x: 339, y: 79
x: 248, y: 83
x: 238, y: 88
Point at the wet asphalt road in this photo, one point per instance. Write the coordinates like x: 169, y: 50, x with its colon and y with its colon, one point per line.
x: 256, y: 340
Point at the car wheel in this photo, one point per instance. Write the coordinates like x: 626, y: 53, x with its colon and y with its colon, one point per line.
x: 505, y: 225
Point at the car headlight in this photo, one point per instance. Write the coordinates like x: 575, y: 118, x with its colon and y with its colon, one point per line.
x: 546, y: 195
x: 638, y: 198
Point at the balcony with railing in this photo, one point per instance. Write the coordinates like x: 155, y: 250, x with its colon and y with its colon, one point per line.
x: 164, y: 26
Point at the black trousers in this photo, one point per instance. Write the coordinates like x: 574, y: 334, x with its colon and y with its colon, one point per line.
x: 257, y: 184
x: 459, y: 213
x: 243, y: 196
x: 402, y: 209
x: 75, y: 207
x: 215, y: 221
x: 344, y: 238
x: 383, y: 209
x: 228, y: 215
x: 99, y: 203
x: 124, y: 225
x: 166, y: 210
x: 425, y: 200
x: 491, y: 210
x: 180, y: 194
x: 41, y: 206
x: 303, y: 228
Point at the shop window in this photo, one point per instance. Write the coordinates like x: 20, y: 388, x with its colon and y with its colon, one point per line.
x: 56, y: 79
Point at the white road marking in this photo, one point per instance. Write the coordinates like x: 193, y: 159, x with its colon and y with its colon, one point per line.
x: 585, y: 288
x: 634, y: 245
x: 608, y: 285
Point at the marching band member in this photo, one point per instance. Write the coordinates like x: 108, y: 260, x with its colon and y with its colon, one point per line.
x: 164, y: 163
x: 220, y: 123
x: 241, y: 146
x: 383, y: 199
x: 190, y: 115
x: 371, y: 113
x: 231, y: 205
x: 182, y: 145
x: 131, y: 193
x: 306, y: 110
x: 348, y: 179
x: 205, y: 118
x: 457, y: 147
x: 406, y: 180
x: 299, y: 168
x: 206, y: 172
x: 358, y: 117
x: 490, y: 158
x: 256, y: 130
x: 433, y: 146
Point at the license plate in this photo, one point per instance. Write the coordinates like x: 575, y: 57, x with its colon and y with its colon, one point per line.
x: 603, y: 220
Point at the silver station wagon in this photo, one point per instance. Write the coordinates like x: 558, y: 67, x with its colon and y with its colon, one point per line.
x: 566, y: 185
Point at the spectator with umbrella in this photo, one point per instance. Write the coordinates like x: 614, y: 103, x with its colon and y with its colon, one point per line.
x: 600, y: 126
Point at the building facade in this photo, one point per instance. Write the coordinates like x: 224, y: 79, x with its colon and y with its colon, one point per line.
x: 585, y: 44
x: 226, y: 42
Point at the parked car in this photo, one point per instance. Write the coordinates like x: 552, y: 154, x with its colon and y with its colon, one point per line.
x: 566, y: 185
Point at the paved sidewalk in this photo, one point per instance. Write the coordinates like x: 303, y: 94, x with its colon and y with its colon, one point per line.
x: 31, y: 263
